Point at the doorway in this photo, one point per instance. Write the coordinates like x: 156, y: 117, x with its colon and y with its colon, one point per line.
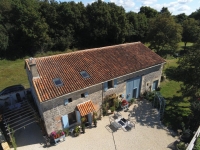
x: 134, y: 93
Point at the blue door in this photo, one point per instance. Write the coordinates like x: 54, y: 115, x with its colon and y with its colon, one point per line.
x: 133, y: 88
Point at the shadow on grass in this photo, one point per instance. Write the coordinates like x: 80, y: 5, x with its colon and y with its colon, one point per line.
x: 174, y: 73
x: 176, y: 111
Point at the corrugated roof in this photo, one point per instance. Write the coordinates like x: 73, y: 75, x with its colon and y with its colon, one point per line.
x: 102, y: 64
x: 86, y: 108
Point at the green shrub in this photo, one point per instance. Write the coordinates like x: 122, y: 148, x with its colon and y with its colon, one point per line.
x: 197, y: 144
x: 181, y: 146
x: 116, y: 103
x: 132, y: 100
x: 66, y: 131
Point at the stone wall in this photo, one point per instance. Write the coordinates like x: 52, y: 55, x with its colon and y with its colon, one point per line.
x: 54, y: 109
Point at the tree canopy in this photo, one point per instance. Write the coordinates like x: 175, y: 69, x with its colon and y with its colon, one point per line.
x: 191, y: 31
x: 164, y: 33
x: 31, y: 26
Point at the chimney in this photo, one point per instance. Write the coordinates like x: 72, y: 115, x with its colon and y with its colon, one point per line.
x: 33, y: 68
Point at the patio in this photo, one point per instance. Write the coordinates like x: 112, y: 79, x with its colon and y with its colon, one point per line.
x: 148, y: 134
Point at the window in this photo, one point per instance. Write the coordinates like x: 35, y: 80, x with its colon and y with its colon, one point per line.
x: 110, y: 84
x: 69, y: 100
x: 155, y: 85
x: 84, y: 74
x: 84, y: 95
x: 57, y: 82
x: 72, y: 118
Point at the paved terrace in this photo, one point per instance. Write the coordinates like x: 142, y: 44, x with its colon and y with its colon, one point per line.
x: 147, y: 135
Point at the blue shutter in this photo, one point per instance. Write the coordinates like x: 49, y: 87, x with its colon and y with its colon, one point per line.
x: 105, y: 86
x: 65, y: 121
x: 86, y: 94
x: 90, y: 118
x: 78, y: 116
x: 115, y: 83
x: 66, y: 101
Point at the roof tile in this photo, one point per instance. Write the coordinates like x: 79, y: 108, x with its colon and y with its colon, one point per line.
x: 102, y: 64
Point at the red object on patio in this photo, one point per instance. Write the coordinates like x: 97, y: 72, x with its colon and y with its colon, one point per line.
x: 124, y: 102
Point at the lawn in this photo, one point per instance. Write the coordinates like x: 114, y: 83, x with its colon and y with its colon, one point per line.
x: 12, y: 72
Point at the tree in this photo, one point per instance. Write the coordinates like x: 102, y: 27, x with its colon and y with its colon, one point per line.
x: 191, y: 31
x: 164, y: 33
x: 180, y: 18
x: 137, y: 26
x: 190, y: 72
x: 195, y: 117
x: 132, y: 29
x: 148, y: 11
x: 195, y: 15
x: 107, y: 24
x: 165, y: 11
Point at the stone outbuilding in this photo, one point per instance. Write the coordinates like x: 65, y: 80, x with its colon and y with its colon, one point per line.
x: 68, y: 86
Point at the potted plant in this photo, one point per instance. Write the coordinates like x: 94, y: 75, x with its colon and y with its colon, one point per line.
x: 60, y: 133
x: 76, y: 131
x: 66, y: 131
x: 95, y: 122
x: 112, y: 109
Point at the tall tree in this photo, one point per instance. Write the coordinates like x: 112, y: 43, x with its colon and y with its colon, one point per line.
x: 133, y: 25
x: 191, y: 31
x: 190, y: 72
x: 148, y: 11
x: 164, y: 33
x: 118, y: 27
x: 195, y: 15
x: 137, y: 26
x: 165, y: 11
x: 180, y: 18
x: 5, y: 26
x: 107, y: 23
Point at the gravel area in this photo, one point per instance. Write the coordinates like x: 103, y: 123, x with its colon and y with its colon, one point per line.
x: 148, y: 134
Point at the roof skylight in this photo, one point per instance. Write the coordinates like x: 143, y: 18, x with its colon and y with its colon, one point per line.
x: 84, y: 74
x: 57, y: 82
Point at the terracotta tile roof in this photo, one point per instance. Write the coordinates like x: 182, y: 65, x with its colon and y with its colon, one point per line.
x: 102, y: 64
x: 86, y: 108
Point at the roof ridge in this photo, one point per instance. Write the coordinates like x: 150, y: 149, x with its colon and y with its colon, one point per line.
x: 89, y: 49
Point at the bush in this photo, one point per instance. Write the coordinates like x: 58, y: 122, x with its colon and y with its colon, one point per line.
x: 181, y: 146
x: 132, y: 100
x: 116, y: 103
x: 197, y: 144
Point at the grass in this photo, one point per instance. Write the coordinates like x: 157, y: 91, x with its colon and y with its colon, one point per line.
x: 12, y: 72
x: 170, y: 88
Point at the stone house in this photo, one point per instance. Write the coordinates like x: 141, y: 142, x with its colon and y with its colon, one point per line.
x: 68, y: 86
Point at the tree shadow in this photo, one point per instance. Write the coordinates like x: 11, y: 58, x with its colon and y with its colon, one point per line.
x: 174, y: 73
